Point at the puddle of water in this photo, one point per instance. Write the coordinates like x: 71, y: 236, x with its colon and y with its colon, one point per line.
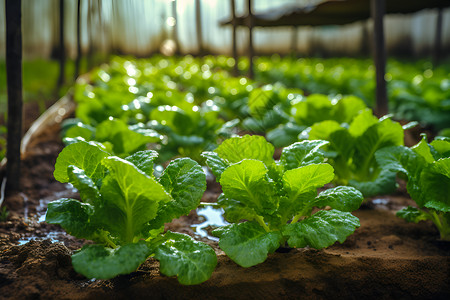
x: 380, y: 201
x: 52, y: 235
x: 41, y: 210
x: 214, y: 218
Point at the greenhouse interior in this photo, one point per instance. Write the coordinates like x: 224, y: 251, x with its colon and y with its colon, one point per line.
x: 225, y: 149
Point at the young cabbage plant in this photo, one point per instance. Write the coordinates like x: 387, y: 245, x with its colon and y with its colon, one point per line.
x: 268, y: 107
x: 315, y: 108
x: 115, y: 135
x: 426, y: 168
x: 351, y: 150
x: 278, y: 199
x: 123, y: 209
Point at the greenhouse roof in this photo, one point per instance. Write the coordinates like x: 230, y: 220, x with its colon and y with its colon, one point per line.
x: 332, y: 12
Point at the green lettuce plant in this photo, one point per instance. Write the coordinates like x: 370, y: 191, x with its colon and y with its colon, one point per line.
x: 426, y: 167
x: 351, y: 150
x: 315, y: 108
x: 123, y: 209
x: 270, y: 203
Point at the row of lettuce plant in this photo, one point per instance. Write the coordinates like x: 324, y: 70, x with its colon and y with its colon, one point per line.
x: 417, y: 91
x: 124, y: 205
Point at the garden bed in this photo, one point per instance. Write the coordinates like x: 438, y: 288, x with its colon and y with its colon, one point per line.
x: 385, y: 258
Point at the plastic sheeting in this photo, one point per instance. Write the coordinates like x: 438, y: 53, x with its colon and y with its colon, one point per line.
x: 140, y: 27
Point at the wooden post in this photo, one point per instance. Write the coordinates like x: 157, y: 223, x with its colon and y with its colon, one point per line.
x: 14, y: 82
x: 90, y: 52
x: 62, y: 50
x: 294, y: 41
x: 78, y: 58
x: 438, y: 39
x: 198, y: 25
x: 250, y: 40
x: 234, y: 37
x: 377, y: 11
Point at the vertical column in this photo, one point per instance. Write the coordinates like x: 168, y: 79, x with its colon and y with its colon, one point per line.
x: 62, y: 50
x: 78, y: 58
x: 377, y: 11
x: 234, y: 38
x: 14, y: 82
x: 198, y: 25
x: 250, y: 40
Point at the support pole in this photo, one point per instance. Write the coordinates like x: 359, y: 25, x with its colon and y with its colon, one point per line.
x: 90, y: 33
x: 62, y: 50
x: 250, y: 40
x: 198, y: 25
x: 234, y: 38
x: 294, y: 41
x: 14, y: 82
x: 78, y: 58
x: 377, y: 11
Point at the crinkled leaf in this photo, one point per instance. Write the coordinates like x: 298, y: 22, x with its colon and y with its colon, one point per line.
x: 404, y: 160
x: 143, y: 160
x: 130, y: 197
x: 236, y: 149
x: 96, y: 261
x: 362, y: 122
x: 323, y: 130
x: 301, y: 154
x: 304, y: 181
x: 88, y: 190
x: 284, y: 134
x: 261, y: 100
x: 315, y: 108
x: 423, y: 149
x: 383, y: 134
x: 435, y: 184
x: 412, y: 214
x: 321, y: 230
x: 235, y: 211
x: 175, y: 118
x: 180, y: 255
x: 215, y: 163
x: 384, y: 184
x: 247, y: 243
x: 442, y: 147
x: 80, y: 130
x: 247, y: 182
x: 83, y: 155
x: 185, y: 180
x: 73, y: 216
x: 343, y: 143
x: 343, y: 198
x: 124, y: 140
x: 347, y: 108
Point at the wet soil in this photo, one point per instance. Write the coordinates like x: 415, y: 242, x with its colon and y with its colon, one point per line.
x: 386, y: 258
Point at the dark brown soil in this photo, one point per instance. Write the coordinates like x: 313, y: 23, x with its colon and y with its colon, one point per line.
x: 386, y: 258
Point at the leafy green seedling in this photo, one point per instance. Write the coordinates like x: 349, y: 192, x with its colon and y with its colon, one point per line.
x: 116, y: 136
x: 124, y: 209
x: 277, y: 198
x: 427, y: 170
x: 315, y: 108
x: 351, y: 150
